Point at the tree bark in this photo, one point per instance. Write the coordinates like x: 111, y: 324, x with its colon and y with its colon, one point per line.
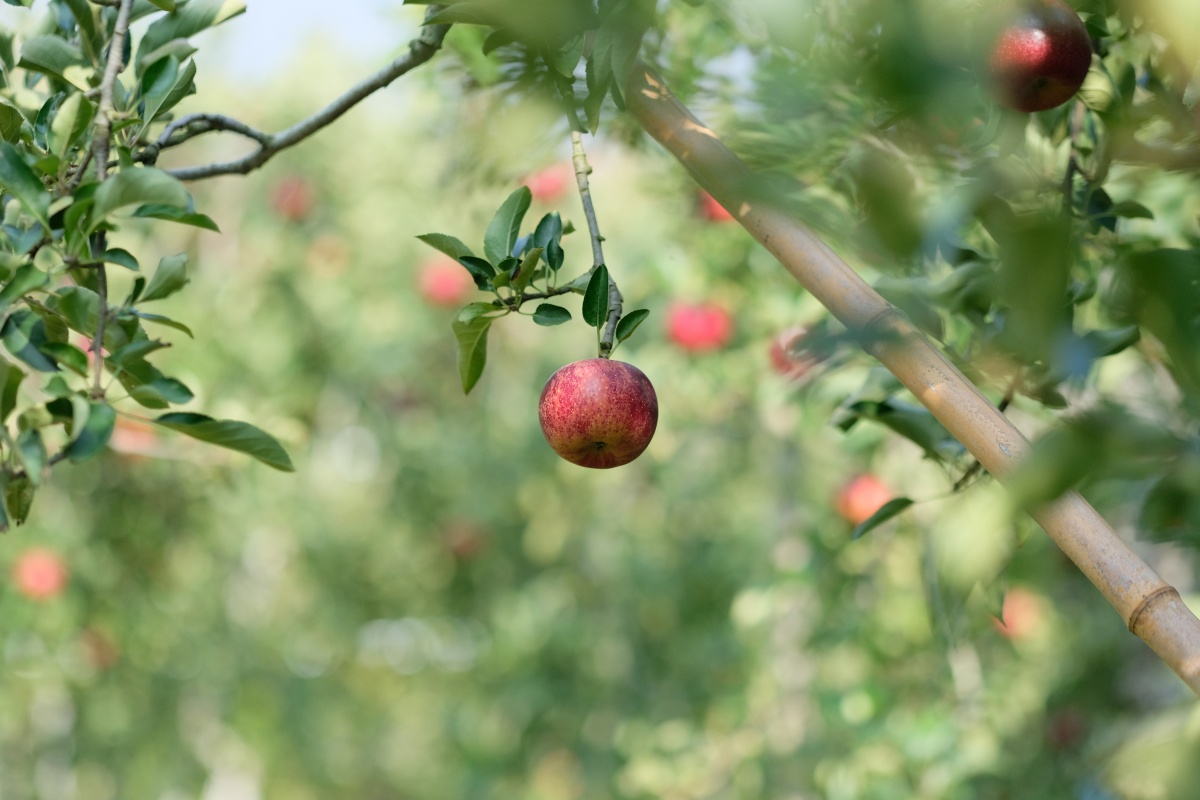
x: 1151, y: 608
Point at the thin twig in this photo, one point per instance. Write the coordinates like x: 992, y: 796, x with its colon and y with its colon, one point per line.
x: 420, y: 50
x: 615, y: 301
x: 101, y: 143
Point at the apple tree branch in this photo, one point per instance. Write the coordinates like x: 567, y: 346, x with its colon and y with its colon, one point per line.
x: 420, y: 50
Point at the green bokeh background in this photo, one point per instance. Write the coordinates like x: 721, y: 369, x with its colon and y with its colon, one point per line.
x: 435, y: 606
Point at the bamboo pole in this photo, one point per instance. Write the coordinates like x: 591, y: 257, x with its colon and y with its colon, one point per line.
x: 1151, y: 608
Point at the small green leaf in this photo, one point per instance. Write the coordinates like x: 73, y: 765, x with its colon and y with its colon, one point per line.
x: 10, y: 381
x: 167, y: 321
x: 27, y: 278
x: 11, y: 122
x: 1106, y: 343
x: 240, y: 436
x: 23, y: 334
x: 169, y: 278
x: 888, y: 510
x: 120, y: 257
x: 446, y: 244
x: 18, y: 179
x: 630, y: 322
x: 165, y: 391
x: 471, y: 328
x: 550, y: 315
x: 134, y: 351
x: 549, y: 229
x: 595, y: 299
x: 158, y: 81
x: 505, y: 226
x: 481, y: 271
x: 93, y: 434
x: 526, y: 269
x: 67, y: 355
x: 71, y: 121
x: 173, y: 214
x: 184, y: 21
x: 33, y: 453
x: 18, y: 497
x: 134, y: 187
x: 51, y: 55
x: 1131, y: 209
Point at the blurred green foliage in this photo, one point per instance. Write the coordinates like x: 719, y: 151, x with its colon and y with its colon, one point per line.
x: 434, y: 605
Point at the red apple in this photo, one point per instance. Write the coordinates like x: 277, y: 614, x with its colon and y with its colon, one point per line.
x: 293, y: 198
x: 861, y: 497
x: 444, y: 283
x: 133, y: 439
x: 549, y: 184
x: 1040, y: 55
x: 598, y: 412
x: 788, y: 356
x: 39, y: 574
x: 713, y: 211
x: 699, y: 327
x: 1020, y: 615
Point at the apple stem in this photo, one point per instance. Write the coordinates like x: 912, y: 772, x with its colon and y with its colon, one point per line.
x: 615, y: 301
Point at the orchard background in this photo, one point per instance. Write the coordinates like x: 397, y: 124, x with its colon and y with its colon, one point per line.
x: 435, y: 605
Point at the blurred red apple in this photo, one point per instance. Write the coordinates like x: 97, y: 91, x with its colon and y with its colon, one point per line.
x: 699, y: 327
x: 1040, y: 55
x: 549, y: 184
x: 598, y: 413
x: 788, y: 356
x: 444, y: 283
x: 39, y: 574
x: 861, y: 497
x: 133, y: 438
x: 713, y: 211
x: 1020, y: 615
x: 293, y: 198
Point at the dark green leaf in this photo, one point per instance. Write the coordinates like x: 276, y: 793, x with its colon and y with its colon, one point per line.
x: 1106, y: 343
x: 27, y: 278
x: 481, y: 271
x: 33, y: 453
x: 548, y: 229
x: 446, y: 244
x: 120, y: 257
x: 137, y: 186
x: 549, y: 315
x: 174, y: 214
x: 18, y: 497
x: 630, y: 322
x: 169, y: 278
x: 1131, y: 209
x: 12, y: 121
x: 240, y: 436
x: 167, y: 321
x: 471, y: 328
x: 888, y: 510
x: 23, y: 334
x: 18, y: 179
x: 91, y: 437
x: 10, y: 381
x: 67, y: 355
x: 595, y: 299
x: 166, y: 391
x: 158, y: 81
x: 505, y: 226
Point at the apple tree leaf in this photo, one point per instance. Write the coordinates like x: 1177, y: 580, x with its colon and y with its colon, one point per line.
x: 505, y: 226
x: 471, y: 328
x: 231, y: 434
x: 595, y: 298
x: 630, y: 322
x: 890, y: 509
x: 549, y: 315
